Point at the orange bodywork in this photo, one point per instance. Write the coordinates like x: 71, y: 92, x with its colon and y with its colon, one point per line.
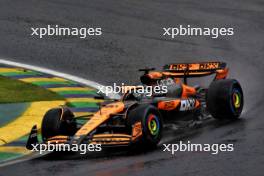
x: 160, y: 75
x: 58, y: 139
x: 187, y: 91
x: 194, y: 66
x: 172, y: 74
x: 174, y: 104
x: 169, y: 105
x: 100, y: 117
x: 197, y: 104
x: 136, y: 131
x: 186, y: 101
x: 221, y: 74
x: 155, y: 75
x: 190, y: 70
x: 105, y: 139
x: 111, y: 139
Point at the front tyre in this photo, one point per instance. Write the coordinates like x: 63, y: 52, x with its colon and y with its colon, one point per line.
x: 58, y: 121
x: 225, y: 99
x: 151, y: 121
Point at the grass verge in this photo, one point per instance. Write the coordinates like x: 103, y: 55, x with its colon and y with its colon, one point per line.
x: 13, y: 91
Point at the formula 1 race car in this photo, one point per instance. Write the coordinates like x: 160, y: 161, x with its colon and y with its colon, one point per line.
x: 139, y: 119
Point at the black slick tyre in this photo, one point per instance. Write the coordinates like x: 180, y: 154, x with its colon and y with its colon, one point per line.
x: 225, y: 99
x: 151, y: 122
x: 58, y: 121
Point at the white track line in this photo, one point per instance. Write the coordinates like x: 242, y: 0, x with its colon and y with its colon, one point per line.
x: 56, y: 73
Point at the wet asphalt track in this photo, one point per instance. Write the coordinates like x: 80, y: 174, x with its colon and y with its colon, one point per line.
x: 132, y: 39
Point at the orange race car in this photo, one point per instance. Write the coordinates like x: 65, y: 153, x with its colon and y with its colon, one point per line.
x: 137, y: 118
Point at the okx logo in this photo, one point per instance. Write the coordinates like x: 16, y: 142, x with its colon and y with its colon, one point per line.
x: 188, y: 104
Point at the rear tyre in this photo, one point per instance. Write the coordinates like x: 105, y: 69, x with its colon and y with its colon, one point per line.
x: 225, y: 99
x: 152, y: 124
x: 58, y: 121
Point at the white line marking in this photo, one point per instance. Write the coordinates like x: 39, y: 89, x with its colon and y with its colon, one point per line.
x: 56, y: 73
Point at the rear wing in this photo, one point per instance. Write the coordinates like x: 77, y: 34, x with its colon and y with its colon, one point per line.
x: 195, y: 67
x: 186, y: 70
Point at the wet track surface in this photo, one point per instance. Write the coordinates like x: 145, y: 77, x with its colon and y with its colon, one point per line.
x: 132, y: 38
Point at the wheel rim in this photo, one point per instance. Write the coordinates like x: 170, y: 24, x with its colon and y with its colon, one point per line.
x: 153, y: 124
x: 236, y: 99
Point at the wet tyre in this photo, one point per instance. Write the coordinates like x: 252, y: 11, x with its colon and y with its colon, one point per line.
x: 151, y: 121
x: 58, y: 121
x: 225, y: 99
